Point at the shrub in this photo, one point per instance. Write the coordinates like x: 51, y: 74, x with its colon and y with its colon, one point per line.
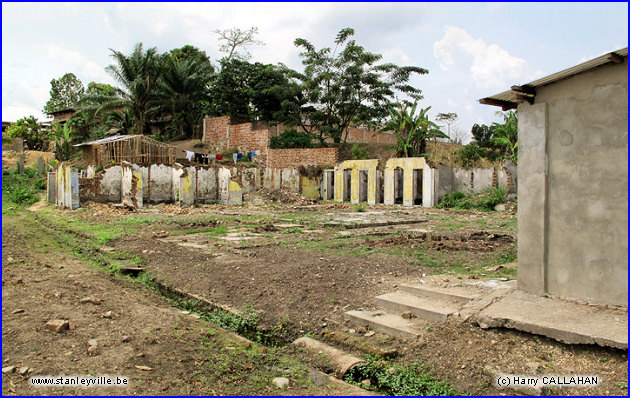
x: 359, y: 152
x: 22, y: 189
x: 470, y: 154
x: 361, y: 207
x: 292, y: 139
x: 29, y: 129
x: 485, y: 201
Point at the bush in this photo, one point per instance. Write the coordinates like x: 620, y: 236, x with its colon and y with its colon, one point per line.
x: 470, y: 154
x: 485, y: 201
x: 22, y: 189
x: 292, y: 139
x: 359, y: 152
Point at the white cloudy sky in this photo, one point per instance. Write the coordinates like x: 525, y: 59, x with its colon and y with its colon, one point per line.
x: 471, y: 50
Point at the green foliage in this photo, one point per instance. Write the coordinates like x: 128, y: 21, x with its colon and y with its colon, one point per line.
x: 485, y: 201
x: 248, y: 91
x: 412, y: 130
x: 470, y: 154
x: 398, y: 379
x: 344, y: 86
x: 361, y: 207
x: 182, y: 92
x: 22, y: 189
x: 29, y: 129
x: 501, y: 139
x: 63, y: 139
x: 65, y: 93
x: 291, y: 138
x: 359, y: 152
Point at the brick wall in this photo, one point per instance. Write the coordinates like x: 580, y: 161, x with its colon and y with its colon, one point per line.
x: 215, y: 131
x: 286, y: 158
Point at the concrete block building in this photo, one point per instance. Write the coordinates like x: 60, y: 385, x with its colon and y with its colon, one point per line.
x: 573, y: 180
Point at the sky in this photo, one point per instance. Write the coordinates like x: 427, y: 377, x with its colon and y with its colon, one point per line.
x: 472, y: 50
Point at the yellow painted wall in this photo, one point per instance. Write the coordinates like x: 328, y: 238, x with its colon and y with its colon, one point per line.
x: 355, y: 166
x: 408, y: 165
x: 310, y: 187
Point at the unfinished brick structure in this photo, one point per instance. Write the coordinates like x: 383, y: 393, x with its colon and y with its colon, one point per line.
x: 222, y: 134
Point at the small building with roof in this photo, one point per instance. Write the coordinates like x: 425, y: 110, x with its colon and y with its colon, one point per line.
x: 573, y: 180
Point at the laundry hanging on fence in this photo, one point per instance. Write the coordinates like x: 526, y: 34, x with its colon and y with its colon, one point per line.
x: 236, y: 156
x: 189, y: 155
x: 252, y: 154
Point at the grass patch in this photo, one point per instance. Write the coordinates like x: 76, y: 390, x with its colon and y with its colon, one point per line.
x: 398, y: 379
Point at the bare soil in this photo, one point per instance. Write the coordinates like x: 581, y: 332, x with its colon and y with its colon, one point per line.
x: 301, y: 276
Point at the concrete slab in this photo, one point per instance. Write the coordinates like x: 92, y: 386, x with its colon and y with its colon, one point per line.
x: 448, y: 294
x: 567, y: 322
x: 391, y: 324
x: 372, y: 219
x: 432, y: 310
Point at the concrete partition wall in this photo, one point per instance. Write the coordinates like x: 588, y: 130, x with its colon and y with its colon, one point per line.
x: 408, y: 165
x: 207, y: 187
x: 573, y: 187
x: 159, y: 187
x: 67, y: 190
x: 356, y: 167
x: 131, y: 188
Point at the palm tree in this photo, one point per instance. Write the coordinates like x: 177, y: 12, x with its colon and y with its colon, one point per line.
x: 412, y: 130
x: 137, y: 75
x: 182, y: 92
x: 506, y: 135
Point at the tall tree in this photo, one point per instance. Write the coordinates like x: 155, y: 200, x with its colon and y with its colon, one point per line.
x: 65, y: 93
x: 182, y: 92
x: 137, y: 75
x: 236, y: 41
x: 248, y: 91
x: 188, y: 51
x: 345, y: 86
x: 449, y: 119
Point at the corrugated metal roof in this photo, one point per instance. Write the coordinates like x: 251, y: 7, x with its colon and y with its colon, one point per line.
x: 108, y: 139
x: 509, y: 99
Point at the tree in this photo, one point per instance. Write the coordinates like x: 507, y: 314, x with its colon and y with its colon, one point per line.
x: 345, y: 86
x: 412, y: 130
x: 65, y: 93
x: 122, y: 121
x: 137, y: 75
x: 449, y: 119
x: 248, y: 91
x: 29, y: 129
x: 63, y: 141
x: 505, y: 135
x: 235, y: 42
x: 191, y: 52
x: 182, y: 92
x: 482, y: 135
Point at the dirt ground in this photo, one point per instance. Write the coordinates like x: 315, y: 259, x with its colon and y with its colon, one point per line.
x: 283, y: 261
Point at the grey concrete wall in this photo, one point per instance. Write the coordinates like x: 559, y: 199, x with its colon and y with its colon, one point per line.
x: 207, y: 188
x: 291, y: 180
x: 580, y: 209
x: 110, y: 183
x: 160, y: 186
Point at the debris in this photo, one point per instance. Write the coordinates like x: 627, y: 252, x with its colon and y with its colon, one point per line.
x: 24, y: 370
x: 18, y: 311
x: 108, y: 315
x: 366, y: 383
x: 90, y: 300
x: 126, y: 339
x: 352, y: 331
x: 57, y: 325
x: 281, y: 382
x: 8, y: 369
x: 361, y: 330
x: 92, y: 347
x: 370, y: 333
x: 141, y: 367
x: 406, y: 315
x: 391, y: 370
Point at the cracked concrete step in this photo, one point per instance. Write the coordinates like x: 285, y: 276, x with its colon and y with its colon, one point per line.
x: 433, y: 310
x: 387, y: 323
x: 449, y: 294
